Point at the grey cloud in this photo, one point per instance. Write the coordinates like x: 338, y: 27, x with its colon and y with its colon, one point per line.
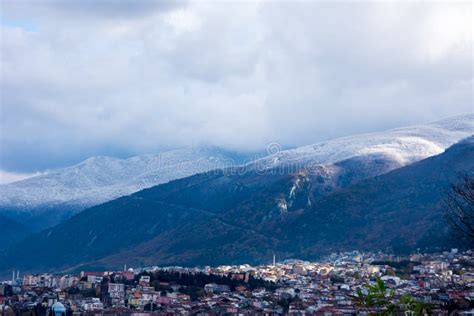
x: 59, y: 10
x: 115, y: 8
x: 235, y: 75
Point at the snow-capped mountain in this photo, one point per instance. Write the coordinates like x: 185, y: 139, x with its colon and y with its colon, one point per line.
x: 400, y: 146
x: 335, y: 164
x: 229, y: 218
x: 99, y: 179
x: 59, y: 194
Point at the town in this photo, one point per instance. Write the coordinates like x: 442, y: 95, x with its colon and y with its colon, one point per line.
x: 339, y: 284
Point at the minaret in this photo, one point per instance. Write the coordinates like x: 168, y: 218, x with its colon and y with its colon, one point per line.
x: 18, y: 274
x: 13, y: 277
x: 274, y: 260
x: 125, y: 267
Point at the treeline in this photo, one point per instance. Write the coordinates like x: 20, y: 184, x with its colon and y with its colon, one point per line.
x: 403, y: 264
x: 402, y: 268
x: 200, y: 279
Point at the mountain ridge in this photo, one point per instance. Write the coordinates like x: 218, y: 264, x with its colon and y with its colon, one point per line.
x: 418, y: 142
x: 226, y: 217
x: 59, y: 194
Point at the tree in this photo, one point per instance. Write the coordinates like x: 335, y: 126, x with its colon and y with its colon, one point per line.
x: 377, y: 296
x: 417, y: 307
x: 460, y: 207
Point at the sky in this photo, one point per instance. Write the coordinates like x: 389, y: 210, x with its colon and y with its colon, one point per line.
x: 123, y: 77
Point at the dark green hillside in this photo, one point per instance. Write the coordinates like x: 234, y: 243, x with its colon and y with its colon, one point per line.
x: 11, y: 232
x: 126, y: 222
x: 401, y: 210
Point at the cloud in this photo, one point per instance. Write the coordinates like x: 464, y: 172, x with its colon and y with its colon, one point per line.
x: 87, y: 9
x: 9, y: 177
x: 86, y: 78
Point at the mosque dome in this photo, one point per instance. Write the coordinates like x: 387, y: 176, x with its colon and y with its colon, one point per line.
x: 58, y: 309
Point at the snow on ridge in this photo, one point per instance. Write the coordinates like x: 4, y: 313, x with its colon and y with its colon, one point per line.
x: 99, y: 179
x: 405, y: 145
x: 405, y: 150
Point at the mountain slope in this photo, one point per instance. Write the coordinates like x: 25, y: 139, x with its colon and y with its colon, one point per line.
x: 11, y: 231
x: 401, y: 145
x: 228, y: 216
x: 55, y: 196
x: 401, y: 211
x: 48, y: 199
x: 104, y: 229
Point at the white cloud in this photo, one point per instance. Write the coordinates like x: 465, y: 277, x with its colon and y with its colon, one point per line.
x: 86, y: 79
x: 9, y: 177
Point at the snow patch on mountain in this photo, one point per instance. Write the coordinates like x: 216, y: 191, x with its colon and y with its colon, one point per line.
x: 403, y: 145
x: 100, y: 179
